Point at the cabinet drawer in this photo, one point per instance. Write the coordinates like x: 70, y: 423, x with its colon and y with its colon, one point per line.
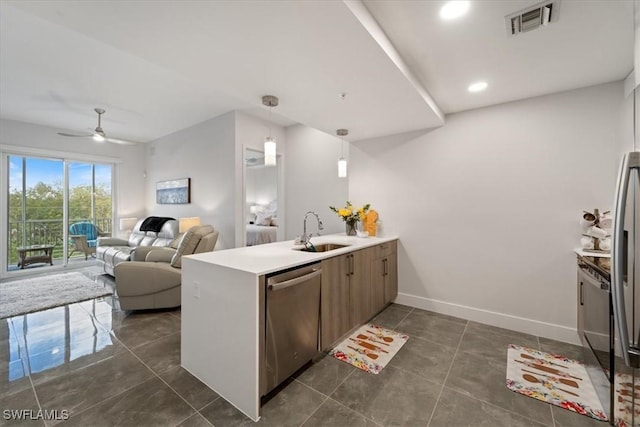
x: 385, y: 249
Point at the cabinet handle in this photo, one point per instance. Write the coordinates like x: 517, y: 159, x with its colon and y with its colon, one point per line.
x: 385, y: 265
x: 347, y: 264
x: 352, y: 264
x: 581, y: 294
x: 349, y: 261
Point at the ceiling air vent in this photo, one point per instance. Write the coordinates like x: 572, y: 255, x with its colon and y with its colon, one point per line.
x: 532, y: 17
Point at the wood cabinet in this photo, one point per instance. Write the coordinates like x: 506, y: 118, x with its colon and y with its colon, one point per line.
x: 384, y: 276
x: 360, y: 295
x: 334, y: 299
x: 355, y: 287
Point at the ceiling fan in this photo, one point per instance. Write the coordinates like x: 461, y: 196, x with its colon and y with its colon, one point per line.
x: 98, y: 134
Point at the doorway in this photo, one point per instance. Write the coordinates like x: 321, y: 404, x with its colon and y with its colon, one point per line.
x: 263, y: 221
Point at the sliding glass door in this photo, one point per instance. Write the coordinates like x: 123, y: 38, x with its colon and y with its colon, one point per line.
x: 46, y: 197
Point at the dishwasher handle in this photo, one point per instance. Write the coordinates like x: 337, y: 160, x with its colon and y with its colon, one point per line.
x: 295, y: 281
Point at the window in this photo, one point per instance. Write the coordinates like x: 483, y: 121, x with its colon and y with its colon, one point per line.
x: 46, y: 196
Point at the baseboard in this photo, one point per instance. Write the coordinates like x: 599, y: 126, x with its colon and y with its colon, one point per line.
x: 507, y: 321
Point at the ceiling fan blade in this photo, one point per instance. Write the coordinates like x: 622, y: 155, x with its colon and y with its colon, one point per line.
x: 75, y: 135
x: 120, y: 141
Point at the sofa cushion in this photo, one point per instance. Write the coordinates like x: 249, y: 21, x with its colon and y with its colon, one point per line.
x: 189, y: 242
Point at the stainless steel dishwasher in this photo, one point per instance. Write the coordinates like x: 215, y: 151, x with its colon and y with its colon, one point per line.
x: 292, y: 322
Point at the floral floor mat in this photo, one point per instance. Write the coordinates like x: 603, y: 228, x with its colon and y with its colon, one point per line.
x: 370, y: 348
x: 553, y: 379
x: 627, y: 400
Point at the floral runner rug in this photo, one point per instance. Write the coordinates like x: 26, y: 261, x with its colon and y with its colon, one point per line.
x: 626, y: 403
x: 553, y: 379
x: 370, y: 348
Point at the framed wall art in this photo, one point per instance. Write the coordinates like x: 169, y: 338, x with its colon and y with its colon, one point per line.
x: 173, y: 192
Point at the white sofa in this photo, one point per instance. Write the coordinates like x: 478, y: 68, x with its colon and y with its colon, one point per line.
x: 111, y: 251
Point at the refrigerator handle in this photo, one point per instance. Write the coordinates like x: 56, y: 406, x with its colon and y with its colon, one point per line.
x: 629, y: 353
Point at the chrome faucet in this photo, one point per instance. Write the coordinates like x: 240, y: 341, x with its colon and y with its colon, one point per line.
x: 304, y: 239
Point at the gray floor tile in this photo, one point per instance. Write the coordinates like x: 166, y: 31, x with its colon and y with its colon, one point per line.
x: 291, y: 406
x: 189, y: 387
x: 566, y: 418
x: 222, y: 413
x: 393, y: 397
x: 484, y: 378
x: 390, y: 317
x: 47, y: 366
x: 23, y: 400
x: 14, y: 378
x: 571, y: 351
x: 490, y: 341
x: 326, y: 375
x: 138, y: 329
x: 195, y: 420
x: 424, y: 358
x: 433, y: 328
x: 151, y: 403
x: 85, y: 387
x: 331, y: 414
x: 439, y: 315
x: 161, y: 354
x: 455, y: 409
x: 401, y: 307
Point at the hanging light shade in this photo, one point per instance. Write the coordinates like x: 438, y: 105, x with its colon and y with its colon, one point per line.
x: 270, y: 142
x: 342, y: 162
x: 269, y: 151
x: 342, y: 167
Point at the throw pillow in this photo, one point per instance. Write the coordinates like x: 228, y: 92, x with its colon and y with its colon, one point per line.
x: 263, y: 219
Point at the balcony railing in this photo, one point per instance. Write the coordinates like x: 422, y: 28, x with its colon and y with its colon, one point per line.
x: 45, y: 232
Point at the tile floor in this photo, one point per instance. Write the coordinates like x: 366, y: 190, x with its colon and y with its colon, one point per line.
x: 107, y: 367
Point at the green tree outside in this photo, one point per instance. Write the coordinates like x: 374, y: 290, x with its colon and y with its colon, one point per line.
x: 43, y: 207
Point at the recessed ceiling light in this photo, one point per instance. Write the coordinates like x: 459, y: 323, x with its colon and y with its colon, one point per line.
x: 454, y: 9
x: 477, y: 87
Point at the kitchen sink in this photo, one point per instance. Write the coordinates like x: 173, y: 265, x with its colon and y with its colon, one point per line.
x: 323, y: 247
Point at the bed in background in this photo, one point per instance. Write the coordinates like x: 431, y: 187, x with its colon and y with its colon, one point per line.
x: 264, y: 228
x: 260, y: 234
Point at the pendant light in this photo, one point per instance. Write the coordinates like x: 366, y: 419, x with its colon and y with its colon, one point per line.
x: 342, y: 162
x: 270, y: 142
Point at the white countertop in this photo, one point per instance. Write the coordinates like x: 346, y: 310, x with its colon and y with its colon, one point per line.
x: 272, y: 257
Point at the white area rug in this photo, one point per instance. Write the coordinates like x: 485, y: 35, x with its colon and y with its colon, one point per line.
x: 29, y: 295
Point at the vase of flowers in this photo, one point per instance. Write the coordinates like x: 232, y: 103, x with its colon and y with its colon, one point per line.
x: 351, y: 216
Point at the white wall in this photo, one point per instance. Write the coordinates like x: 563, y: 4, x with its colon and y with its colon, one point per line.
x: 204, y: 153
x: 129, y: 180
x: 312, y: 182
x: 487, y: 206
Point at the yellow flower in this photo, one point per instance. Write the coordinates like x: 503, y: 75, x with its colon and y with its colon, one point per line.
x: 350, y: 214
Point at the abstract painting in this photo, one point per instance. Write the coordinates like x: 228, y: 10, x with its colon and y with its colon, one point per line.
x: 174, y: 192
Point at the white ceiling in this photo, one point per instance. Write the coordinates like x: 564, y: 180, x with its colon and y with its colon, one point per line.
x: 161, y: 66
x: 591, y: 43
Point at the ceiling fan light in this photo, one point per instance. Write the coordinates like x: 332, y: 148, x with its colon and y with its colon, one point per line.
x: 98, y: 138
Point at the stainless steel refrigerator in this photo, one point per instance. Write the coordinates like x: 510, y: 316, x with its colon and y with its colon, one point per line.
x: 625, y: 288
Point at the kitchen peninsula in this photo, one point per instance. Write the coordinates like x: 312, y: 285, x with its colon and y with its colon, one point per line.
x: 224, y: 313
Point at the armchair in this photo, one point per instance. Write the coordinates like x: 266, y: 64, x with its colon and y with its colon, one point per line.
x: 153, y: 279
x: 84, y: 236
